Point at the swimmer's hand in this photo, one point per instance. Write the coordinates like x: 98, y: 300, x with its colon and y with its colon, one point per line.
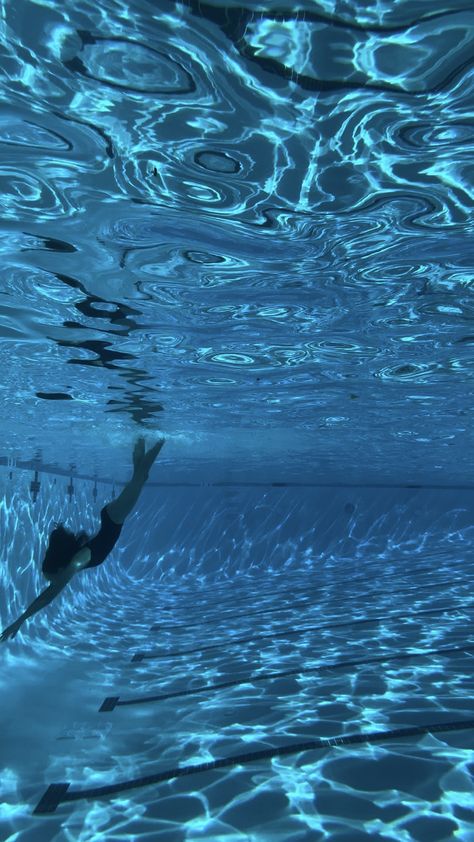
x: 12, y: 630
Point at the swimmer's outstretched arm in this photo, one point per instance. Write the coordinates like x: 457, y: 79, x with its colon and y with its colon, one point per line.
x: 40, y: 602
x: 60, y: 581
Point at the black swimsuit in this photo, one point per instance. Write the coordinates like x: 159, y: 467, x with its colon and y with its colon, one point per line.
x: 103, y: 543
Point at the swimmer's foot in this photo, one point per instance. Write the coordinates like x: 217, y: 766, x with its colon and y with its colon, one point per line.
x: 138, y: 452
x: 152, y: 454
x: 142, y: 461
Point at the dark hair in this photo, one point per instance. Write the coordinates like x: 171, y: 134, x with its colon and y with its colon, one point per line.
x: 63, y: 545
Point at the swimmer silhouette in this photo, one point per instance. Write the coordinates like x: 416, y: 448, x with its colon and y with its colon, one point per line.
x: 67, y: 553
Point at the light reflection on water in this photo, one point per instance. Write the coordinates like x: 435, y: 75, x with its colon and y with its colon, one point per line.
x: 249, y: 229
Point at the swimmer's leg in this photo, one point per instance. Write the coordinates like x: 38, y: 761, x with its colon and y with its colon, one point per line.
x: 119, y: 508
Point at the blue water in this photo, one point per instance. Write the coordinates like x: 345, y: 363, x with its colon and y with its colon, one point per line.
x: 248, y: 229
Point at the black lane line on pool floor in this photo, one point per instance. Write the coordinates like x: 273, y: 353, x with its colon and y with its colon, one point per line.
x: 111, y: 702
x: 57, y: 794
x: 237, y: 641
x: 201, y: 601
x: 308, y: 602
x: 296, y: 580
x: 327, y: 592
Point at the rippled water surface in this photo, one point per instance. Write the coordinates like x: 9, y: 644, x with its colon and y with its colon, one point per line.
x: 248, y: 227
